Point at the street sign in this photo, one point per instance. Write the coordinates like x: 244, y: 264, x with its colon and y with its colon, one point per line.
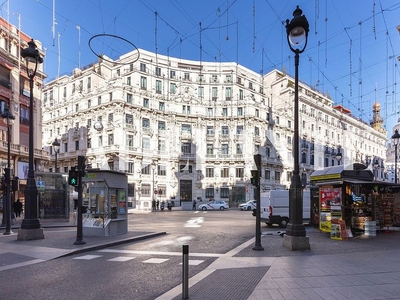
x: 40, y: 186
x: 155, y: 192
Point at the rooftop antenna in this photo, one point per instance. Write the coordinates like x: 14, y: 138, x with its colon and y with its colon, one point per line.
x: 53, y: 28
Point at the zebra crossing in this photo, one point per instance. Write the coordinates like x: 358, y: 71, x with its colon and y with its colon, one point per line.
x: 104, y: 254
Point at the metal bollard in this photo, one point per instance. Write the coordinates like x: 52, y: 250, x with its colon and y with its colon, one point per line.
x: 185, y: 272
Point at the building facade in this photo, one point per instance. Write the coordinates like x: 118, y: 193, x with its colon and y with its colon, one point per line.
x: 15, y: 95
x: 185, y: 130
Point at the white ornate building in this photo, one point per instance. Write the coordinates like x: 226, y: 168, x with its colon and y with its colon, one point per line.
x: 185, y: 130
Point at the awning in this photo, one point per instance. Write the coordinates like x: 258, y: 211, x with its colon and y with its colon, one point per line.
x: 343, y: 172
x: 355, y: 181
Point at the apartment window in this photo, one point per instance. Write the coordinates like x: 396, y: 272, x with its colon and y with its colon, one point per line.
x: 110, y: 117
x: 256, y: 131
x: 210, y: 130
x: 210, y: 149
x: 145, y: 123
x: 228, y: 93
x: 89, y: 83
x: 241, y: 94
x: 224, y: 149
x: 228, y: 78
x: 267, y: 152
x: 129, y: 119
x: 210, y: 112
x: 161, y: 125
x: 130, y: 167
x: 89, y: 103
x: 239, y: 149
x: 146, y: 102
x: 239, y: 172
x: 76, y: 107
x: 111, y: 139
x: 172, y: 88
x: 224, y: 172
x: 24, y: 115
x: 240, y: 111
x: 201, y: 78
x: 129, y: 140
x: 161, y: 106
x: 145, y: 143
x: 277, y: 176
x: 76, y: 145
x: 187, y: 128
x: 142, y: 67
x: 146, y: 169
x: 209, y: 172
x: 161, y: 145
x: 186, y: 76
x: 89, y: 143
x: 289, y: 140
x: 128, y: 80
x: 224, y: 193
x: 161, y: 170
x: 200, y: 91
x: 129, y: 98
x: 143, y: 83
x: 65, y: 92
x: 250, y: 85
x: 239, y: 129
x: 277, y: 120
x: 186, y: 109
x: 73, y: 88
x: 267, y: 174
x: 172, y: 74
x: 209, y: 192
x: 257, y: 114
x: 224, y: 112
x: 214, y: 93
x: 100, y: 141
x: 183, y: 168
x: 158, y: 86
x: 65, y: 147
x: 98, y: 100
x: 186, y: 148
x: 224, y: 130
x: 158, y: 71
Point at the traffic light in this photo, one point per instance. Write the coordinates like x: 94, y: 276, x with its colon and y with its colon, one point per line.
x: 15, y: 184
x: 254, y: 178
x: 73, y: 176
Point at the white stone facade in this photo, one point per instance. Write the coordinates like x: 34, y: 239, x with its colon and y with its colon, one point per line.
x: 198, y: 124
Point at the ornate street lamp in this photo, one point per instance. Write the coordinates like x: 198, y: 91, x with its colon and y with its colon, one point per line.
x: 339, y: 155
x: 56, y: 147
x: 30, y: 226
x: 295, y: 237
x: 7, y: 203
x: 395, y: 141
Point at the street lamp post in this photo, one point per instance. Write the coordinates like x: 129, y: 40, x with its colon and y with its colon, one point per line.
x: 56, y: 147
x: 395, y: 141
x: 153, y: 167
x: 7, y: 203
x: 295, y: 237
x: 30, y: 226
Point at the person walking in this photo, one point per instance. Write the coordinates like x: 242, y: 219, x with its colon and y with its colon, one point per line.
x: 194, y: 204
x: 158, y: 204
x: 17, y: 208
x: 153, y: 205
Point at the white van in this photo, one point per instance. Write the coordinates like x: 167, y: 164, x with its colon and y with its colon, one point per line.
x: 275, y: 207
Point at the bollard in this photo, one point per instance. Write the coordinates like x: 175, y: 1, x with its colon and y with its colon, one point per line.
x: 185, y: 272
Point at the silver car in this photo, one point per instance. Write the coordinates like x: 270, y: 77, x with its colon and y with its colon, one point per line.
x: 214, y: 205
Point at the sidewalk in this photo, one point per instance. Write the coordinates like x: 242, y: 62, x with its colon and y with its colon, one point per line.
x: 360, y: 268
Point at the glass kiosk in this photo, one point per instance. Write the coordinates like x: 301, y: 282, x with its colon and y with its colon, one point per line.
x: 104, y: 200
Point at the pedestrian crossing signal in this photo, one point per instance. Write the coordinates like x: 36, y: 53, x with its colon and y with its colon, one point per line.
x: 73, y: 177
x: 254, y: 180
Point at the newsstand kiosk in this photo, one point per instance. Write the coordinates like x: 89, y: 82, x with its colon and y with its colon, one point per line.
x: 105, y: 202
x: 351, y: 202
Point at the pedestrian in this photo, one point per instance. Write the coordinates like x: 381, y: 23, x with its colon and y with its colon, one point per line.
x: 153, y: 205
x: 158, y: 204
x: 17, y: 208
x: 194, y: 204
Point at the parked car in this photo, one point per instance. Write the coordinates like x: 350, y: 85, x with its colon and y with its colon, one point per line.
x: 214, y: 205
x: 249, y: 205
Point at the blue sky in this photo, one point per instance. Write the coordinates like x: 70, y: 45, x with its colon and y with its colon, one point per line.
x: 351, y: 53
